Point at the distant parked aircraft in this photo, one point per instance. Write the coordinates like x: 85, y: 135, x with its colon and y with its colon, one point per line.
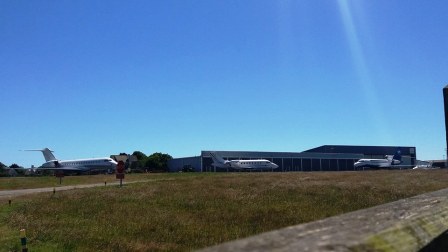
x: 424, y: 165
x: 388, y: 162
x: 77, y: 165
x: 254, y: 164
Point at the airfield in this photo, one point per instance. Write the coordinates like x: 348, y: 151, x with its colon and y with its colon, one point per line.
x: 188, y: 211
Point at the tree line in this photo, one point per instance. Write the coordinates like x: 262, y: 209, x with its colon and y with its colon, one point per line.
x: 3, y: 166
x: 156, y: 162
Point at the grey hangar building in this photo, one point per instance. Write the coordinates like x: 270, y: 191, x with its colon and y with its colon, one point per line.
x: 323, y: 158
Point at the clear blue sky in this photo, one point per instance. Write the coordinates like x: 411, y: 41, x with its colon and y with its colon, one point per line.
x: 94, y: 78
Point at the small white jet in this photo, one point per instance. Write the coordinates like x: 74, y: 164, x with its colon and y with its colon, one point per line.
x: 254, y: 164
x: 388, y: 162
x: 76, y: 166
x: 424, y: 165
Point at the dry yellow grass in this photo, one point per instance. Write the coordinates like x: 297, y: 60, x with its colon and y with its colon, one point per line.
x: 191, y: 211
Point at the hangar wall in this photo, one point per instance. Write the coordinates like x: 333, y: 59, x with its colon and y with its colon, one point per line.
x: 407, y: 152
x: 288, y: 161
x: 177, y: 164
x: 323, y: 158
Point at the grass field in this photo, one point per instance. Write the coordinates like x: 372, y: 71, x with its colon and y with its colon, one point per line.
x: 192, y: 211
x: 11, y: 183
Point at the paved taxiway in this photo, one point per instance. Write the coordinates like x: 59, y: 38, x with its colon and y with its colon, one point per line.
x: 15, y: 193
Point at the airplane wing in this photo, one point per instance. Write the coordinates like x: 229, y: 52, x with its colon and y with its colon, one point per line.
x: 62, y: 168
x: 256, y: 168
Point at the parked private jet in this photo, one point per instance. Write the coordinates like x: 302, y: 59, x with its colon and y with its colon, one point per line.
x: 254, y: 164
x: 424, y: 165
x: 388, y: 162
x: 76, y: 166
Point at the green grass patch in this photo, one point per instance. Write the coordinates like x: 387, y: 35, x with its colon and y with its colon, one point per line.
x: 191, y: 211
x: 12, y: 183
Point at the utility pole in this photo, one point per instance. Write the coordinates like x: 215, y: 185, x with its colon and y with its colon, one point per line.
x: 445, y: 102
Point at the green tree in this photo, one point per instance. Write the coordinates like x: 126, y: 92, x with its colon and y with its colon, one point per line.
x: 15, y: 166
x: 2, y: 167
x: 158, y: 162
x: 141, y: 157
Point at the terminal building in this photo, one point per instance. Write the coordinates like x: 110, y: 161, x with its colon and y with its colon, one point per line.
x: 323, y: 158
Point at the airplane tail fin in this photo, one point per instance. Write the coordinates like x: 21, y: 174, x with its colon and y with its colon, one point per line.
x: 48, y: 155
x: 216, y: 158
x: 397, y: 156
x: 394, y: 159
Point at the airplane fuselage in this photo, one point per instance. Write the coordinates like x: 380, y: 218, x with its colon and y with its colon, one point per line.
x: 247, y: 164
x: 76, y: 165
x: 376, y: 163
x: 373, y: 163
x: 253, y: 164
x: 91, y: 164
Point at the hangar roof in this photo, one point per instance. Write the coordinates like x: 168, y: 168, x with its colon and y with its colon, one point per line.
x: 366, y: 150
x: 260, y: 154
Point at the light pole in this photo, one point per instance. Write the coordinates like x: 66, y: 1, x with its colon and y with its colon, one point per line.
x: 445, y: 102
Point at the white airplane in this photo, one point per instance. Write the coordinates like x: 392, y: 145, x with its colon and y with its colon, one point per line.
x: 255, y: 164
x: 388, y: 162
x: 424, y: 165
x: 77, y: 165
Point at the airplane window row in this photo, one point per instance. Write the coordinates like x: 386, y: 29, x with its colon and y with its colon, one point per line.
x: 78, y: 163
x: 88, y: 162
